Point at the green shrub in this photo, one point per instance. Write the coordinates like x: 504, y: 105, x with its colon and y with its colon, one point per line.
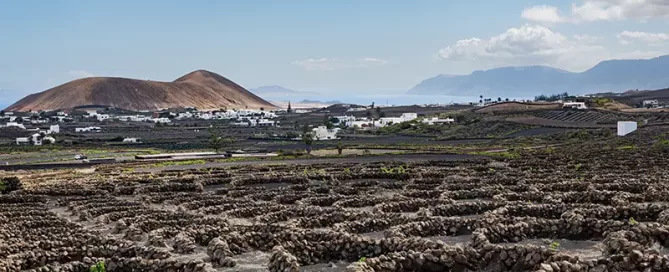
x: 632, y: 221
x: 98, y: 267
x: 554, y: 245
x: 9, y: 184
x: 626, y: 147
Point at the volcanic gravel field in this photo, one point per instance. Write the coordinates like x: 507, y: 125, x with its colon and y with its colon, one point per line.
x: 591, y: 207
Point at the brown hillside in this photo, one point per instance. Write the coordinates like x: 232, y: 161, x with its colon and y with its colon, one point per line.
x: 200, y: 89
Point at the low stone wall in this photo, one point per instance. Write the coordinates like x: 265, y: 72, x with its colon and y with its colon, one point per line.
x: 282, y: 261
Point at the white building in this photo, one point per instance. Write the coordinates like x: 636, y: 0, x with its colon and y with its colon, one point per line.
x: 132, y: 140
x: 650, y: 103
x: 437, y: 121
x: 395, y: 120
x: 265, y: 123
x: 55, y: 129
x: 185, y: 115
x: 102, y: 117
x: 133, y: 118
x: 574, y: 105
x: 39, y: 121
x: 356, y: 109
x: 22, y: 141
x: 162, y: 120
x: 88, y: 129
x: 344, y: 120
x: 626, y: 127
x: 14, y: 124
x: 323, y: 133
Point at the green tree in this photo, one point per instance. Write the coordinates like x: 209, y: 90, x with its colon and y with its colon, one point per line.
x: 340, y: 148
x: 216, y: 142
x: 308, y: 140
x: 327, y: 122
x: 460, y: 119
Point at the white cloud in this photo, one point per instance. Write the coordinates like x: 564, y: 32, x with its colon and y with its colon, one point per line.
x: 372, y: 61
x: 528, y: 41
x: 543, y: 13
x: 326, y: 64
x: 533, y: 45
x: 654, y: 39
x: 80, y: 74
x: 600, y: 10
x: 595, y: 10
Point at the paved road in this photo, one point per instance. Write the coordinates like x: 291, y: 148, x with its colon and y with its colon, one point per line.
x: 382, y: 158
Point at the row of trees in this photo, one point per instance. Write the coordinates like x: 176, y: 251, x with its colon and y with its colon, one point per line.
x: 553, y: 97
x: 489, y: 100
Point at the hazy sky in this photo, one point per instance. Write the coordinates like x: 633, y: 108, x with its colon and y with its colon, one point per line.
x: 334, y: 45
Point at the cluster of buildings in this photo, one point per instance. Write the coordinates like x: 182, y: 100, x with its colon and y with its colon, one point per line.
x: 651, y: 104
x: 346, y: 121
x: 368, y: 123
x: 35, y: 118
x: 240, y: 118
x: 39, y: 137
x: 244, y: 118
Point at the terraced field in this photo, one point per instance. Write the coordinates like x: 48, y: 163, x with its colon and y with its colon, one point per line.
x: 591, y: 207
x: 580, y: 116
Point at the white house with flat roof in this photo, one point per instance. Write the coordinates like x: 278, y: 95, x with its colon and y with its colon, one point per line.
x: 574, y: 105
x: 437, y: 121
x: 323, y: 133
x: 394, y: 120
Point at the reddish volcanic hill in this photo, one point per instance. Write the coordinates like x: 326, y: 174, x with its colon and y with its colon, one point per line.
x: 201, y: 89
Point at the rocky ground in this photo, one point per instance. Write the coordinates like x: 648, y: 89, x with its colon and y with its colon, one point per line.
x: 594, y: 206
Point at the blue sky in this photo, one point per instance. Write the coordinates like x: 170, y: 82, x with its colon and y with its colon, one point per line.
x: 346, y: 46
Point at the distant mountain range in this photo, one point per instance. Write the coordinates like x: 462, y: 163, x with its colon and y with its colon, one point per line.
x: 304, y: 104
x: 272, y: 91
x: 528, y: 81
x: 320, y: 102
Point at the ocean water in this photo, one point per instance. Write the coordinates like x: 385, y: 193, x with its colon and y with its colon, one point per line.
x: 366, y: 98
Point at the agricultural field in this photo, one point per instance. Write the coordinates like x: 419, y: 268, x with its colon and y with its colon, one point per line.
x: 597, y: 204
